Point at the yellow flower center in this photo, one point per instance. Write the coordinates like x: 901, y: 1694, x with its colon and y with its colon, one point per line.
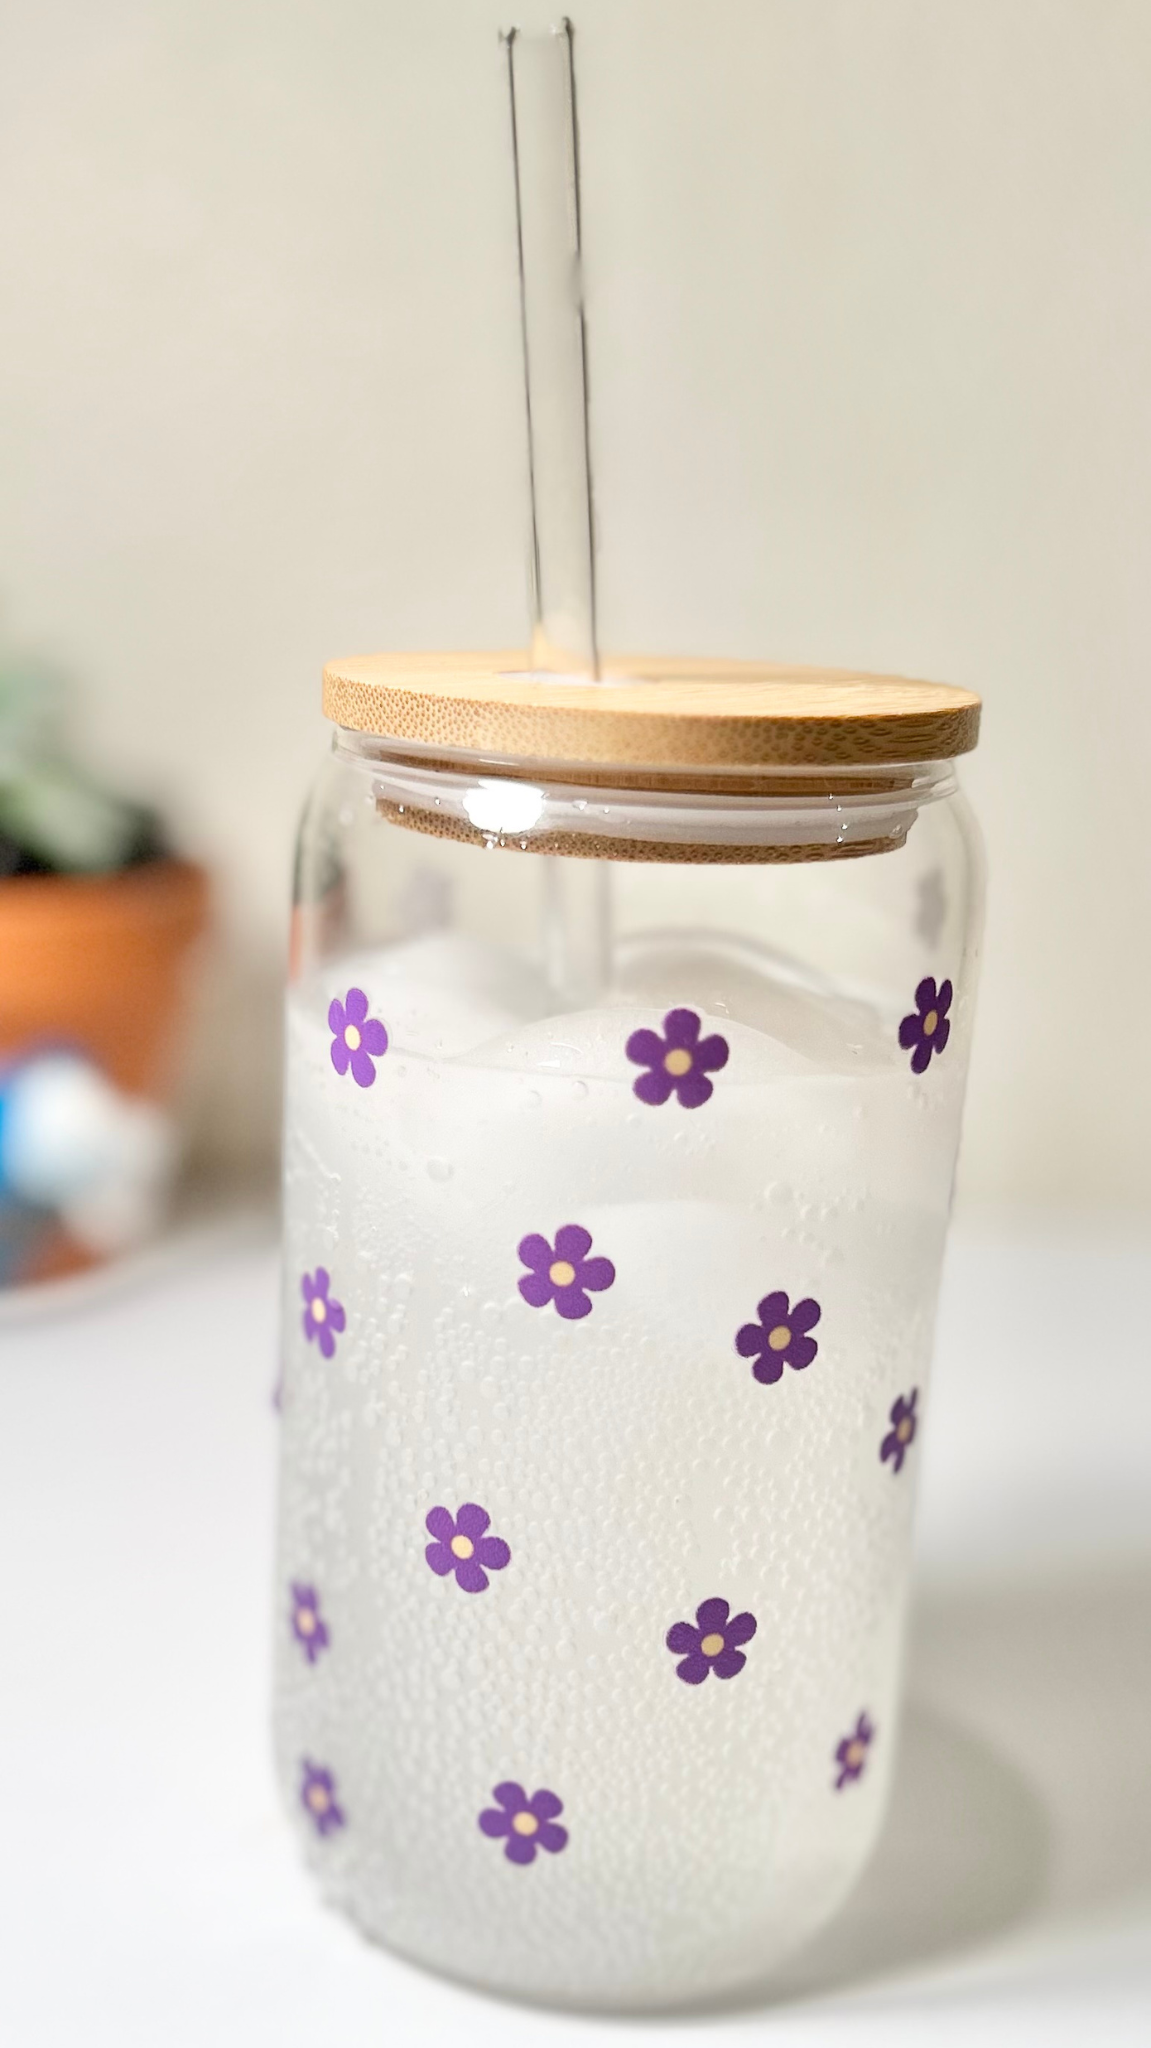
x: 678, y: 1062
x: 931, y: 1022
x: 319, y: 1310
x: 779, y: 1338
x: 525, y: 1823
x: 855, y: 1754
x: 561, y: 1274
x: 712, y: 1645
x: 462, y: 1547
x: 305, y: 1620
x: 317, y: 1798
x: 351, y: 1038
x: 903, y: 1430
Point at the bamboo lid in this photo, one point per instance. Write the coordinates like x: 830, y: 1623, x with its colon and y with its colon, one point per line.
x: 663, y: 714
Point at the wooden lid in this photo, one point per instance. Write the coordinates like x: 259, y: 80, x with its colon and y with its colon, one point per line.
x: 662, y: 713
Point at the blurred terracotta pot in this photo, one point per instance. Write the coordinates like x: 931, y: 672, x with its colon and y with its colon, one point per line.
x: 98, y: 962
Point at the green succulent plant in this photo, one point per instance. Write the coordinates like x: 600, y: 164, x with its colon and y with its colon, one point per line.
x: 54, y: 818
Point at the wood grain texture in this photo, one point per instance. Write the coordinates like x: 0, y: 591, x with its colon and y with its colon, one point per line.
x: 657, y: 714
x: 606, y: 846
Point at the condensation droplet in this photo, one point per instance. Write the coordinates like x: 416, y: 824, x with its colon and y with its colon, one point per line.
x: 440, y: 1169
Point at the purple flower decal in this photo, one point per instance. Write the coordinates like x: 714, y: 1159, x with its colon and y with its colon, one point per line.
x: 679, y: 1062
x: 358, y: 1040
x: 901, y: 1435
x: 318, y: 1798
x: 852, y: 1753
x: 308, y: 1624
x: 780, y: 1337
x: 526, y: 1824
x: 462, y: 1547
x: 928, y: 1028
x: 563, y: 1273
x: 712, y: 1645
x: 323, y: 1317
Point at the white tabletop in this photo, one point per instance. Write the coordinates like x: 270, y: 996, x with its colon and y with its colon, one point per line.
x: 149, y: 1891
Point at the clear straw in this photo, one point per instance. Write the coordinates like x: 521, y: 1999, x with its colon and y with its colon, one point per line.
x: 541, y: 80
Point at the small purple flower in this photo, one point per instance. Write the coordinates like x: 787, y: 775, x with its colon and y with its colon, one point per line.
x: 712, y: 1645
x: 679, y: 1062
x: 462, y: 1547
x: 323, y: 1317
x: 527, y: 1824
x: 308, y: 1624
x: 358, y: 1040
x: 852, y: 1753
x: 780, y: 1337
x: 928, y: 1028
x: 901, y: 1435
x: 563, y: 1274
x: 318, y: 1798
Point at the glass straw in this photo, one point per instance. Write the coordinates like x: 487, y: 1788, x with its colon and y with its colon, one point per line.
x: 541, y: 80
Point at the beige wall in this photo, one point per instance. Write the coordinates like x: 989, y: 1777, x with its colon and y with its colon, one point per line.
x: 870, y: 304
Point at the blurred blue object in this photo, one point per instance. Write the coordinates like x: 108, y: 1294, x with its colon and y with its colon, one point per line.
x: 75, y: 1153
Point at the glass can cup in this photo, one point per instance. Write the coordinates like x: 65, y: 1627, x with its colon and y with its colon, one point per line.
x: 622, y: 1109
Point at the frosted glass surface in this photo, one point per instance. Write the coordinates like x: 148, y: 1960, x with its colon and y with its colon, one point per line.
x: 630, y: 1460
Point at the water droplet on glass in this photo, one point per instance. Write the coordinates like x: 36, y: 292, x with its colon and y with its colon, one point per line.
x: 440, y: 1169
